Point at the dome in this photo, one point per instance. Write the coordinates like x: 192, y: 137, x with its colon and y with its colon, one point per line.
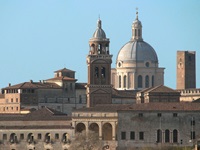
x: 137, y: 51
x: 99, y: 33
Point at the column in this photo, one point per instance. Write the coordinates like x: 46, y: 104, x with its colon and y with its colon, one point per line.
x: 100, y: 131
x: 113, y: 131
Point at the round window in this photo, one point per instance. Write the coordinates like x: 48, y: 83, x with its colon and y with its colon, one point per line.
x: 147, y: 64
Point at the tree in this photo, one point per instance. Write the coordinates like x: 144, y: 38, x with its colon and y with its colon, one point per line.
x: 86, y: 141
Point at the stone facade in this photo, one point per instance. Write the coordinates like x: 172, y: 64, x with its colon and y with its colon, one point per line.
x: 41, y: 129
x: 159, y: 93
x: 156, y: 125
x: 186, y: 69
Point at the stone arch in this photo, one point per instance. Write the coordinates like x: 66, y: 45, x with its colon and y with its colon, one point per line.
x: 30, y: 137
x: 159, y: 136
x: 167, y: 136
x: 13, y: 138
x: 107, y: 132
x: 94, y: 127
x: 80, y: 127
x: 47, y: 137
x: 65, y: 137
x: 175, y: 136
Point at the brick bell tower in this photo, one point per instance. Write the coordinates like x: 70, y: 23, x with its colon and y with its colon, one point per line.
x: 99, y: 88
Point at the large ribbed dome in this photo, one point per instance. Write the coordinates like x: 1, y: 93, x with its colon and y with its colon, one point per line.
x: 137, y: 51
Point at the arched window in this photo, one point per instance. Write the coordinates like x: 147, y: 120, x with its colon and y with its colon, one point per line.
x: 120, y: 79
x: 96, y: 72
x: 175, y: 136
x: 125, y: 81
x: 139, y: 81
x: 103, y: 72
x: 152, y: 80
x: 146, y: 81
x: 139, y: 32
x: 135, y: 32
x: 167, y: 136
x: 159, y: 136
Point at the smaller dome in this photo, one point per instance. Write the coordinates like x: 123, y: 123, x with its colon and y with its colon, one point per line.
x: 99, y: 33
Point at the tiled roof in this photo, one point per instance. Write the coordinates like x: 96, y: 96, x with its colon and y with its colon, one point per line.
x: 64, y: 70
x: 159, y: 106
x: 80, y: 85
x: 43, y: 114
x: 46, y: 114
x: 161, y: 88
x: 62, y: 78
x: 123, y: 93
x: 34, y: 85
x: 36, y: 127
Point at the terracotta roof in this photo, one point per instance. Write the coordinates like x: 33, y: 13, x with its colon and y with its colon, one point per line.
x: 80, y: 85
x: 37, y: 127
x: 161, y: 88
x: 43, y: 114
x: 103, y: 108
x: 62, y: 78
x: 159, y: 106
x: 34, y: 85
x: 64, y: 70
x: 123, y: 93
x: 46, y: 114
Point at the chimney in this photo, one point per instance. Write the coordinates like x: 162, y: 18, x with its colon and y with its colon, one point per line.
x: 9, y: 84
x: 31, y: 81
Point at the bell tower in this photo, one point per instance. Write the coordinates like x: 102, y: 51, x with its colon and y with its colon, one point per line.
x: 99, y: 88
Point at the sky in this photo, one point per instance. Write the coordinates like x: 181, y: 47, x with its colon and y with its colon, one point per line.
x: 38, y: 37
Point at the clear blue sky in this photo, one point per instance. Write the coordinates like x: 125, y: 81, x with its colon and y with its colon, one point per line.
x: 38, y: 37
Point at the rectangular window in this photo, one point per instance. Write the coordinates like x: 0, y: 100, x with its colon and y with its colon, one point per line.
x: 56, y: 136
x: 192, y: 135
x: 39, y: 136
x: 141, y: 135
x: 159, y: 115
x: 11, y: 100
x: 4, y: 136
x: 16, y: 100
x: 21, y: 136
x: 132, y: 135
x: 192, y: 122
x: 123, y: 135
x: 140, y: 114
x: 175, y: 114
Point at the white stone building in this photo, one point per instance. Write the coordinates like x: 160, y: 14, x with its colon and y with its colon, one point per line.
x: 137, y: 64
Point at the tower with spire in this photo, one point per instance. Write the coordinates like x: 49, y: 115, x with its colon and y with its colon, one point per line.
x: 99, y: 61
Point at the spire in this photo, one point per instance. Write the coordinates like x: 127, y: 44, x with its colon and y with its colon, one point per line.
x: 136, y: 13
x: 137, y: 29
x: 99, y: 23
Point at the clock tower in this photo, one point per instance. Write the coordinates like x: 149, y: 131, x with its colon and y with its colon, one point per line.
x: 99, y: 88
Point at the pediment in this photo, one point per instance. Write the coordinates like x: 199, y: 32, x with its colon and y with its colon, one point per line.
x: 99, y: 91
